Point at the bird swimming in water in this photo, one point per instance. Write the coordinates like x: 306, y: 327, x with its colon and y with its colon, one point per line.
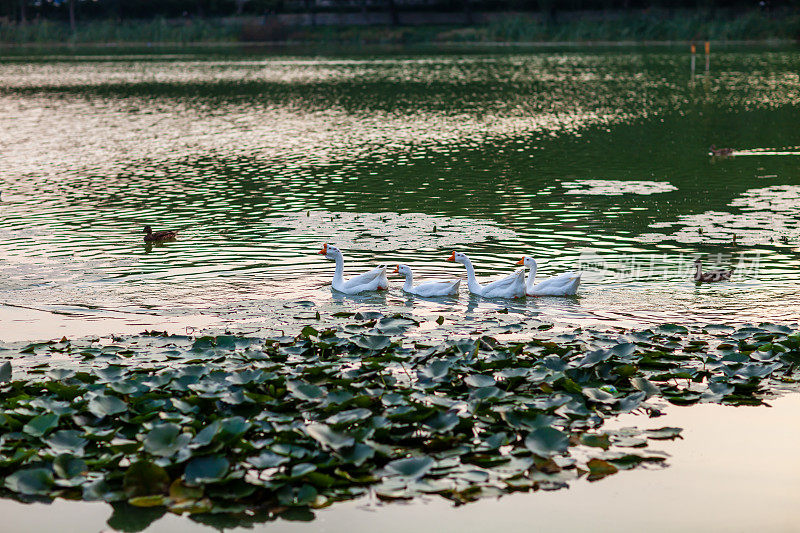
x: 159, y: 236
x: 712, y: 275
x: 720, y: 152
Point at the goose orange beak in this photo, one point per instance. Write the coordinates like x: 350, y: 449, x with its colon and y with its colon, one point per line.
x: 324, y: 250
x: 396, y: 269
x: 452, y: 257
x: 521, y: 261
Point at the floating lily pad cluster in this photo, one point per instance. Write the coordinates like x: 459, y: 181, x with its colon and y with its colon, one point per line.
x: 229, y: 424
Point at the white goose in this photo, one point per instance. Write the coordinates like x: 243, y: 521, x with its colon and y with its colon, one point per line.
x: 561, y: 285
x: 373, y: 280
x: 512, y: 286
x: 431, y: 288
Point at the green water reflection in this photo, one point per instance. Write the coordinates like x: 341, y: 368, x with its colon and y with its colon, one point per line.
x: 260, y: 157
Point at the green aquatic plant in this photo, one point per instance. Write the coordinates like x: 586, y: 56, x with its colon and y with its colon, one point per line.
x: 227, y: 424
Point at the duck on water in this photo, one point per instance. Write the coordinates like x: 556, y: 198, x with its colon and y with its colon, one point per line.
x: 159, y: 236
x: 712, y: 275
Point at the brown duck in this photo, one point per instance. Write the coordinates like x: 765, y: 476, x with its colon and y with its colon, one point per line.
x: 712, y: 275
x: 720, y: 152
x: 158, y: 236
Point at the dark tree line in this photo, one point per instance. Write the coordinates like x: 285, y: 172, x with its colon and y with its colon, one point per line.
x: 69, y: 10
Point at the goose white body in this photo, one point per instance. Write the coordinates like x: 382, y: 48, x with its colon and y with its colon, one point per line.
x: 511, y: 286
x: 372, y: 280
x: 562, y: 285
x: 428, y: 289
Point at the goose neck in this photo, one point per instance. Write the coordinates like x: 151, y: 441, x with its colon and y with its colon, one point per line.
x: 472, y: 283
x: 409, y: 284
x: 531, y: 277
x: 338, y: 274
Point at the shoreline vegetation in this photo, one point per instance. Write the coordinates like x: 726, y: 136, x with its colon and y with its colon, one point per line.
x: 614, y: 28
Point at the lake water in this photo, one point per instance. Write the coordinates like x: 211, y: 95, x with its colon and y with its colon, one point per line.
x: 587, y: 159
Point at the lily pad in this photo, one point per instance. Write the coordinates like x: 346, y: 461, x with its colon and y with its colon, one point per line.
x: 411, y: 467
x: 145, y: 478
x: 102, y: 405
x: 41, y: 425
x: 66, y: 441
x: 164, y: 440
x: 206, y: 469
x: 30, y: 481
x: 547, y: 441
x: 5, y: 371
x: 328, y: 437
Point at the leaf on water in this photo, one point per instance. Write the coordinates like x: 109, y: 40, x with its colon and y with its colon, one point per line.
x: 624, y: 349
x: 527, y: 420
x: 598, y: 469
x: 665, y: 433
x: 486, y: 393
x: 671, y: 329
x: 394, y: 325
x: 98, y: 490
x: 358, y: 454
x: 309, y: 331
x: 465, y: 346
x: 301, y: 469
x: 149, y: 501
x: 102, y: 405
x: 631, y: 402
x: 442, y: 422
x: 646, y: 386
x: 596, y: 440
x: 372, y: 342
x: 547, y: 441
x: 625, y: 371
x: 30, y: 481
x: 716, y: 391
x: 165, y: 440
x: 41, y: 425
x: 305, y: 391
x: 267, y: 459
x: 67, y: 466
x: 479, y: 380
x: 5, y: 372
x: 328, y: 437
x: 231, y: 429
x: 349, y: 416
x: 599, y: 396
x: 144, y: 478
x: 411, y: 467
x: 66, y: 441
x: 594, y: 357
x: 206, y: 469
x: 436, y: 370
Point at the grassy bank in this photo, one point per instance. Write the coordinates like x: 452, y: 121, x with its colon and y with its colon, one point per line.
x: 681, y: 26
x: 513, y: 28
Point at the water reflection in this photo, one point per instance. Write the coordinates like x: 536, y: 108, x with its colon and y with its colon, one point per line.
x: 396, y: 159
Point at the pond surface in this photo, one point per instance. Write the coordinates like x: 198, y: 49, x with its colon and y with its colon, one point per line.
x: 594, y: 160
x: 587, y: 159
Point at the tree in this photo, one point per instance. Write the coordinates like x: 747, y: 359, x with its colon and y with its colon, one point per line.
x: 72, y: 16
